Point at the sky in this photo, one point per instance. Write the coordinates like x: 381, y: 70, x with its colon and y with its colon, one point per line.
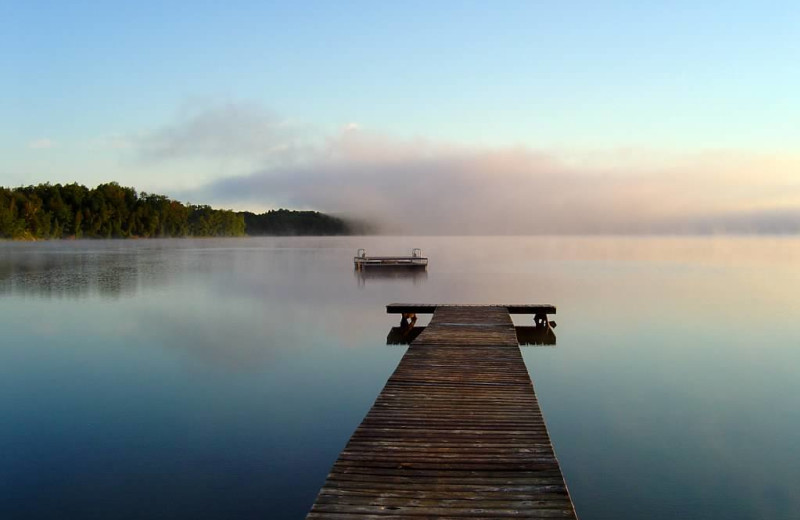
x: 422, y: 117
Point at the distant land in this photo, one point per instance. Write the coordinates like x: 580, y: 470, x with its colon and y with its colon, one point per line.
x: 55, y: 211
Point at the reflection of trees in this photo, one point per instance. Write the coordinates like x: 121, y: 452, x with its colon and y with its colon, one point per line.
x: 59, y: 273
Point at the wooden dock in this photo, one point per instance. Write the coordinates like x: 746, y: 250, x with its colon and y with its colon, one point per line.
x: 456, y: 432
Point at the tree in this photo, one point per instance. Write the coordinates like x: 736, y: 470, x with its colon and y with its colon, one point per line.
x: 113, y: 211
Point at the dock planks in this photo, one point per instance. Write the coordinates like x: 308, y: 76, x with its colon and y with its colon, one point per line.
x: 456, y: 432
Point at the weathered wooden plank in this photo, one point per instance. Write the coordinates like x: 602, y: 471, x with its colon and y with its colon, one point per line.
x: 438, y: 512
x: 428, y: 490
x: 400, y: 476
x: 456, y: 432
x: 540, y: 502
x: 398, y: 514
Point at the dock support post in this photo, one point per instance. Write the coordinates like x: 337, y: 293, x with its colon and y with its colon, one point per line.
x: 404, y: 320
x: 540, y: 320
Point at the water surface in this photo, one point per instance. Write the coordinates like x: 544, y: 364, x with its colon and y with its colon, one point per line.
x: 220, y: 378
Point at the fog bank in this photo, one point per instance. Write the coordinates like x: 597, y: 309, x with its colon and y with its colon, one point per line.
x: 424, y: 188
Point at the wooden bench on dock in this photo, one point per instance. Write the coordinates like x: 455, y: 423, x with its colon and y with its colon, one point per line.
x: 456, y: 432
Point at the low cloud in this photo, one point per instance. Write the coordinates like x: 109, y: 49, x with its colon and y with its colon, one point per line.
x: 423, y: 186
x: 420, y: 187
x: 230, y: 131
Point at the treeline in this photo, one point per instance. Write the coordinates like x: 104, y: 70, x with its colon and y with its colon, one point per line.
x: 287, y: 222
x: 52, y: 211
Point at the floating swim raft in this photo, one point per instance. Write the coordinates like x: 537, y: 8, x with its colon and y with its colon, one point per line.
x: 416, y: 261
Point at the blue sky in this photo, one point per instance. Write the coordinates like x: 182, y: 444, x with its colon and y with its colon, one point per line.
x: 85, y: 83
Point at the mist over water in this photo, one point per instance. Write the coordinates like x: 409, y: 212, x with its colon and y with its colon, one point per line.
x: 221, y: 378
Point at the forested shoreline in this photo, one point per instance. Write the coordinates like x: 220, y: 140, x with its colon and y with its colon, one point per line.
x: 55, y: 211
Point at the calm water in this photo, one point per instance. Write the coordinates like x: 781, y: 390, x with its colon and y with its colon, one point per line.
x: 220, y: 378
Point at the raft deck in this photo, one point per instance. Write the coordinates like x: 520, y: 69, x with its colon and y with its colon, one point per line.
x: 456, y: 432
x: 416, y: 261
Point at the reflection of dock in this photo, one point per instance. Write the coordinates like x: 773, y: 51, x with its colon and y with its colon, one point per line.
x: 389, y: 273
x: 403, y: 335
x: 457, y: 430
x: 525, y: 335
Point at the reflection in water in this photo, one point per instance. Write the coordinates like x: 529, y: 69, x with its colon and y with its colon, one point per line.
x: 403, y: 335
x: 100, y: 269
x: 155, y: 374
x: 416, y: 276
x: 536, y: 335
x: 526, y: 335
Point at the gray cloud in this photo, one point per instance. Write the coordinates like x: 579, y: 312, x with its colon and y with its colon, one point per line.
x: 229, y: 131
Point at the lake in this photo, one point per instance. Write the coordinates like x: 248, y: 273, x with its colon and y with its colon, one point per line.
x: 220, y: 378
